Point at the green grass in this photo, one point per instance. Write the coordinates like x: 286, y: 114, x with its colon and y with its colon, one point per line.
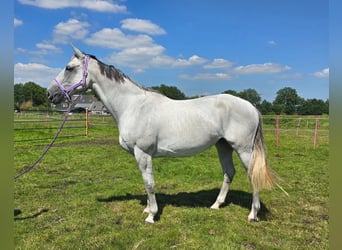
x: 88, y: 193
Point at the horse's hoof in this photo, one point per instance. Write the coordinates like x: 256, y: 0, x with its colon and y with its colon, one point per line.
x: 147, y: 222
x: 214, y: 207
x: 253, y: 219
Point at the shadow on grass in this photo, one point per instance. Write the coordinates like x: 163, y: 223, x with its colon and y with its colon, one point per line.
x: 18, y: 212
x: 203, y: 198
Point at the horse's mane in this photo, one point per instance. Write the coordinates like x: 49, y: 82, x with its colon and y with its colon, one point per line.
x: 110, y: 71
x: 115, y: 74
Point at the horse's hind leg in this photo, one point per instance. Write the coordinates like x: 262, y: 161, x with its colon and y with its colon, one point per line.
x: 246, y: 157
x: 225, y: 152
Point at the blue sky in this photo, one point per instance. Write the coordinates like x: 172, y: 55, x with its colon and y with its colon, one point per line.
x: 202, y: 47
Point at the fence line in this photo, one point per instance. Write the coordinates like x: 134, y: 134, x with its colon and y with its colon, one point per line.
x: 48, y: 138
x: 47, y: 122
x: 296, y: 117
x: 42, y: 128
x: 310, y: 131
x: 43, y: 125
x: 299, y: 119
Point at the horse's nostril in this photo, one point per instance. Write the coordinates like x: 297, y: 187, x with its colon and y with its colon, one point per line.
x: 49, y: 96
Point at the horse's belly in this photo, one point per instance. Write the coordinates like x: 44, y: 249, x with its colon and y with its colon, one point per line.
x: 177, y: 147
x: 187, y: 134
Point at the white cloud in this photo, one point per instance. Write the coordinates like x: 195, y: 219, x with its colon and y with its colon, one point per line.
x: 161, y: 61
x: 35, y: 72
x: 134, y: 56
x: 72, y: 29
x: 48, y: 47
x: 43, y: 48
x: 116, y: 39
x: 142, y: 25
x: 135, y: 51
x: 322, y: 74
x: 138, y: 51
x: 218, y: 63
x: 98, y: 5
x: 140, y: 58
x: 145, y: 57
x: 191, y: 61
x: 17, y: 22
x: 103, y: 6
x: 266, y: 68
x: 205, y: 76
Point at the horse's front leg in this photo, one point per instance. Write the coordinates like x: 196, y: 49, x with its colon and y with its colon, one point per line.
x: 145, y: 164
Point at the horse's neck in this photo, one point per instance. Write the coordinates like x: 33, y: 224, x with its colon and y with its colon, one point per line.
x: 118, y: 97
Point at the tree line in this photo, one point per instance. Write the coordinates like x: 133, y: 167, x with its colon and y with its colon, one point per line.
x: 32, y: 96
x: 287, y: 101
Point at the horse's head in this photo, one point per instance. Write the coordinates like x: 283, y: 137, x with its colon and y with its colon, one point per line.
x: 71, y: 80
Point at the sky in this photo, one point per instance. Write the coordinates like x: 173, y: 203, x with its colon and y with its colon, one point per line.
x: 202, y: 47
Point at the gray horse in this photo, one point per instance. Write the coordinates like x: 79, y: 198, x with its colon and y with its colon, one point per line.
x: 152, y: 125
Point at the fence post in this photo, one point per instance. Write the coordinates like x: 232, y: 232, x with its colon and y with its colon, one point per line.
x: 315, y: 133
x: 277, y: 130
x: 298, y: 126
x: 87, y: 122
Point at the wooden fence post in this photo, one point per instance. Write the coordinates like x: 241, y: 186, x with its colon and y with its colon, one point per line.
x: 315, y: 133
x: 298, y: 126
x: 277, y: 130
x: 87, y: 122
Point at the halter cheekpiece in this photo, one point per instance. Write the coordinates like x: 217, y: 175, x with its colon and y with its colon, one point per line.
x: 67, y: 91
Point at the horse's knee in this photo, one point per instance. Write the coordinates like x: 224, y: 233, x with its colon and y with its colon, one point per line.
x: 229, y: 176
x: 149, y: 188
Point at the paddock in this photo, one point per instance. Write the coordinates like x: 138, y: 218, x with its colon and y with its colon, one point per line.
x: 87, y: 191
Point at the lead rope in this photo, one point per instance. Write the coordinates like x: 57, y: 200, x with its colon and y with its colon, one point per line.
x: 49, y: 145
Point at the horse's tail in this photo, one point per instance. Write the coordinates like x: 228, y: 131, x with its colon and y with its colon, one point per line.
x: 260, y: 174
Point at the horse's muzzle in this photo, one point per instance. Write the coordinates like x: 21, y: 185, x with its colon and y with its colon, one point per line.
x: 54, y: 96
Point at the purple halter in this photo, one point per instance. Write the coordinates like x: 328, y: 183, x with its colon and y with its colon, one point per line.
x: 67, y: 91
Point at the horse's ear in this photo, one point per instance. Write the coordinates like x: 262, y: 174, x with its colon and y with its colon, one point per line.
x: 77, y: 52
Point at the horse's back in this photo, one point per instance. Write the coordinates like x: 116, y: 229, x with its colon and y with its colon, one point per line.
x: 191, y: 126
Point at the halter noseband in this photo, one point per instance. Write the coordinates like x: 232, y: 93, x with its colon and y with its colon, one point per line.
x: 67, y: 91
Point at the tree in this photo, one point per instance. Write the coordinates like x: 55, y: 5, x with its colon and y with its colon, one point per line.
x: 231, y: 92
x: 19, y: 96
x: 265, y: 107
x: 170, y: 91
x: 287, y: 101
x: 251, y: 95
x: 277, y: 108
x: 314, y: 107
x: 29, y: 92
x: 326, y: 107
x: 248, y: 94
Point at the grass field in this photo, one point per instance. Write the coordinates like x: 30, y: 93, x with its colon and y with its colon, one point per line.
x: 88, y: 193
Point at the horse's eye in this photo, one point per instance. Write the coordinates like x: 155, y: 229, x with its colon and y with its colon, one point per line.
x: 68, y: 68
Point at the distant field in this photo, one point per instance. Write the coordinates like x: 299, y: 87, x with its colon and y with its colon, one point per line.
x: 88, y: 193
